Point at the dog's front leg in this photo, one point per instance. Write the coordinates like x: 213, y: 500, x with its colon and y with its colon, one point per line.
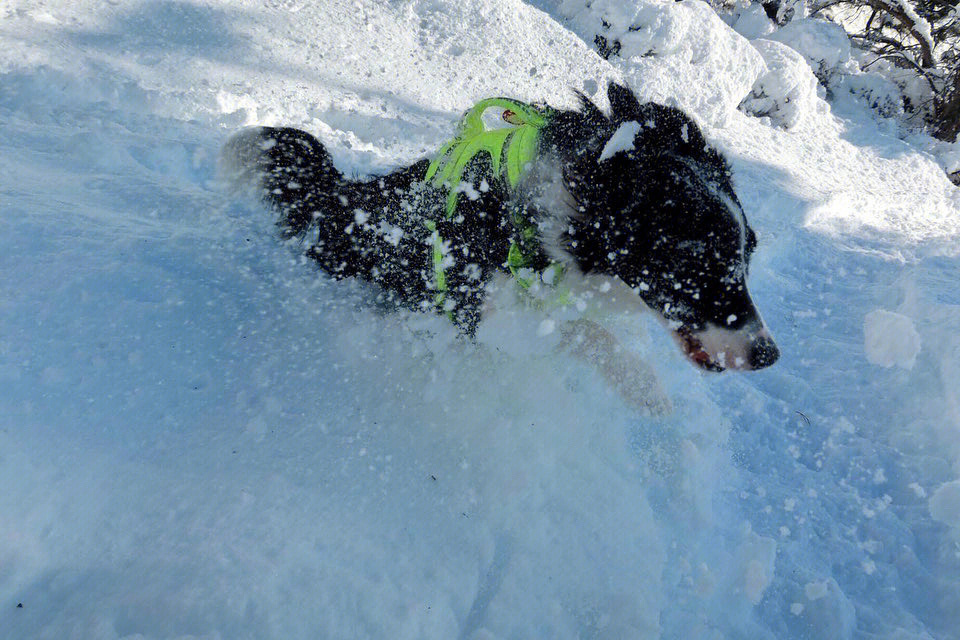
x: 626, y: 372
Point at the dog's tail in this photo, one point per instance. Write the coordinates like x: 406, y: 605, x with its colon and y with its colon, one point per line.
x: 287, y: 168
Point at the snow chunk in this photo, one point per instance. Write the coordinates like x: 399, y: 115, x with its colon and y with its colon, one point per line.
x: 242, y: 108
x: 890, y: 339
x: 829, y: 613
x: 945, y: 504
x: 546, y: 327
x: 787, y: 91
x: 815, y: 590
x: 392, y: 234
x: 621, y: 140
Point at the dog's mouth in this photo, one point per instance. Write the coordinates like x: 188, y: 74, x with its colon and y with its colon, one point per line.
x: 693, y: 349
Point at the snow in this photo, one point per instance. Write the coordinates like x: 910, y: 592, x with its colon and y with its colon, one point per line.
x: 202, y: 437
x: 816, y: 590
x: 621, y: 140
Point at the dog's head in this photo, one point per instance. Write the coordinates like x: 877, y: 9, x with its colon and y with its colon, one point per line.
x: 652, y: 204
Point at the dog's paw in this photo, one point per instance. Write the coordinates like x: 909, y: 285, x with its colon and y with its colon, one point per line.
x: 635, y: 382
x: 633, y: 379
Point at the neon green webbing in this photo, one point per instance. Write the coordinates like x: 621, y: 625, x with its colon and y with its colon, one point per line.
x: 439, y: 272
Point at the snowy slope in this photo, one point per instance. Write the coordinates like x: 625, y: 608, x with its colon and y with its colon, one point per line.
x: 200, y: 437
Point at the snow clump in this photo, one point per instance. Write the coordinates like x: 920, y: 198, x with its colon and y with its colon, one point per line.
x: 890, y: 339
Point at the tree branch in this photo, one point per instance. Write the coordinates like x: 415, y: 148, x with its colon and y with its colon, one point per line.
x: 896, y: 10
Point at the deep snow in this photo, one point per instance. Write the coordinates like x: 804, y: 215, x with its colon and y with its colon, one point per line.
x: 202, y: 437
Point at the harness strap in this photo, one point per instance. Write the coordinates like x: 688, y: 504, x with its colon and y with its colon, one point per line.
x: 509, y: 131
x: 512, y: 145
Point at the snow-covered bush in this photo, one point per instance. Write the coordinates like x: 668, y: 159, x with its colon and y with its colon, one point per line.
x: 874, y: 90
x: 838, y: 66
x: 900, y: 58
x: 917, y: 43
x: 627, y: 29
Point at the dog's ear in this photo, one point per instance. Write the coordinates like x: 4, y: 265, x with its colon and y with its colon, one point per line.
x: 623, y: 103
x: 590, y: 110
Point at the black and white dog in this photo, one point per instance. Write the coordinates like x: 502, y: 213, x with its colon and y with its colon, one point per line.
x: 634, y: 201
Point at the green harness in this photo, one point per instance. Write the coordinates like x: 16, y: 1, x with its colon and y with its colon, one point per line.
x: 509, y: 132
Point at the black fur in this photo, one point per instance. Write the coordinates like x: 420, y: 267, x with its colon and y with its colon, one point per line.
x: 353, y: 221
x: 661, y: 216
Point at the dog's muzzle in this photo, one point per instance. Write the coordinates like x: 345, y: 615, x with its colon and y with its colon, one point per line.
x: 717, y: 349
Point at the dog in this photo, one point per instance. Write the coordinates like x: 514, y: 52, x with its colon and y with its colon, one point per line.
x: 577, y: 202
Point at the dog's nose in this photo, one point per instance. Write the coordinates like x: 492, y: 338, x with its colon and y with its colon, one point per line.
x: 763, y: 352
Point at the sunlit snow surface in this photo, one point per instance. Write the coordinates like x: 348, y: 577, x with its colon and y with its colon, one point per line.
x: 202, y: 437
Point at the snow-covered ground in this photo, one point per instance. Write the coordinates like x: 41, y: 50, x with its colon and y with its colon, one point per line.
x: 201, y: 437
